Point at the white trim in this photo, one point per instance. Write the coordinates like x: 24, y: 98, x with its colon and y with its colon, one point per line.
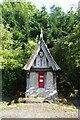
x: 41, y: 76
x: 40, y: 80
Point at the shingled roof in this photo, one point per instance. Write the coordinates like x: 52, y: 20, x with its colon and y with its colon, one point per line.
x: 41, y: 45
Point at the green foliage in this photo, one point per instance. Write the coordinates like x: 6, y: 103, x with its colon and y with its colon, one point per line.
x: 20, y: 17
x: 67, y: 54
x: 13, y: 57
x: 19, y: 34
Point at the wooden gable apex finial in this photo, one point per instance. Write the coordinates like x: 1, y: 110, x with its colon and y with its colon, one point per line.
x: 41, y: 35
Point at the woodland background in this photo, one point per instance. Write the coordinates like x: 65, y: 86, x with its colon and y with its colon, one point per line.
x: 20, y: 24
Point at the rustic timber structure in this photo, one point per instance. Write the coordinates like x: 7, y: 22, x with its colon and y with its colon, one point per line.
x: 41, y: 73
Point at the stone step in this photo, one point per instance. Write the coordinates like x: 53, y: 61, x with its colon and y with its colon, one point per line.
x: 34, y: 100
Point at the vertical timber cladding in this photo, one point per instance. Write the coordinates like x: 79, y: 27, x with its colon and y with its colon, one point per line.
x: 27, y: 80
x: 54, y: 81
x: 33, y: 80
x: 50, y: 80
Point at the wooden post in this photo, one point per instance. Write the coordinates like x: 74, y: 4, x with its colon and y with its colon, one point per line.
x: 27, y: 80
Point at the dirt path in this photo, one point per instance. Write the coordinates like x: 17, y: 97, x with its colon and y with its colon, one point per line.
x: 38, y: 110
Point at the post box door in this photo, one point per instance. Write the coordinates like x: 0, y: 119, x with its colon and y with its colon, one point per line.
x: 41, y: 79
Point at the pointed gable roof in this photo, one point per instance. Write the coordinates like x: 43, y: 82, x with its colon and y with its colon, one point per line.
x: 41, y: 45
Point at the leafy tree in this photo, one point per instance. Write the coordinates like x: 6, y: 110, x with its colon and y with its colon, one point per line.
x: 60, y: 24
x: 13, y: 59
x: 20, y: 18
x: 19, y: 33
x: 66, y: 53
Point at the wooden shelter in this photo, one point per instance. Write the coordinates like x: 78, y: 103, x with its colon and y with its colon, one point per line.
x: 41, y: 73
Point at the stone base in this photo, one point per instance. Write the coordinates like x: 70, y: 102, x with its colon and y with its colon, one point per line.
x: 41, y: 93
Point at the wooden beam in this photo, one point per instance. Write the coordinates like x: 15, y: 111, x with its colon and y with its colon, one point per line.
x: 41, y: 69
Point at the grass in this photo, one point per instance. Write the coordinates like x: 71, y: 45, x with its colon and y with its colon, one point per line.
x: 19, y: 106
x: 64, y: 107
x: 22, y: 106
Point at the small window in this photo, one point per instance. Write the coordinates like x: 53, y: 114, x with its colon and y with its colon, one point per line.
x: 41, y: 53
